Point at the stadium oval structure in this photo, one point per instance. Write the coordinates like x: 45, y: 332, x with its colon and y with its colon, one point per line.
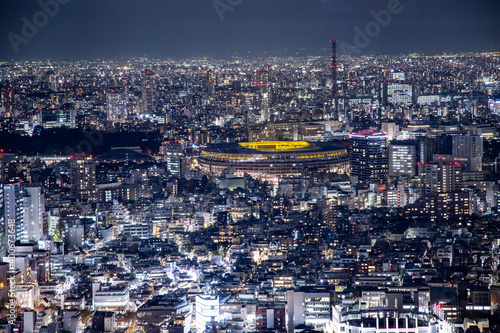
x: 274, y: 160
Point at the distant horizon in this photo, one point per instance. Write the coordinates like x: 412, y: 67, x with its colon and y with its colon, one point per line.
x: 249, y: 55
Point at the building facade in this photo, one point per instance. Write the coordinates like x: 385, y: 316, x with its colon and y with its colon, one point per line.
x: 368, y: 154
x: 83, y: 178
x: 402, y: 159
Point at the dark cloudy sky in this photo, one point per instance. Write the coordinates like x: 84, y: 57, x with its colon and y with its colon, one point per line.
x: 191, y: 28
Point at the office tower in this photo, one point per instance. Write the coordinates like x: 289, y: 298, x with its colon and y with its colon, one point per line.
x: 173, y: 153
x: 34, y: 213
x: 117, y: 103
x: 333, y: 67
x: 13, y: 207
x: 264, y: 106
x: 402, y: 158
x: 25, y: 206
x: 391, y: 129
x: 398, y: 93
x: 262, y: 84
x: 83, y: 180
x: 211, y: 80
x: 333, y: 81
x: 149, y: 98
x: 369, y: 156
x: 470, y: 147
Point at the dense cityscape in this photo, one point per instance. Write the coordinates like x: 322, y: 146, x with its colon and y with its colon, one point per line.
x: 327, y: 193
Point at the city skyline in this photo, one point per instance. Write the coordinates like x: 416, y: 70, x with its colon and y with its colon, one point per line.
x: 249, y: 166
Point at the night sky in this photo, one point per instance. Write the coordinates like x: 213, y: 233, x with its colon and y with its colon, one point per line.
x: 89, y: 29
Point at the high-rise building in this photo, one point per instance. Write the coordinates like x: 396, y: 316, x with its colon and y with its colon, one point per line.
x: 173, y: 153
x: 13, y: 207
x: 261, y: 78
x: 35, y: 204
x: 440, y: 178
x: 264, y: 106
x: 83, y: 179
x: 402, y: 158
x: 26, y: 207
x: 368, y: 155
x: 149, y: 98
x: 451, y: 178
x: 117, y: 103
x: 428, y: 174
x: 262, y: 84
x: 470, y: 147
x: 442, y: 190
x: 211, y: 80
x: 50, y: 80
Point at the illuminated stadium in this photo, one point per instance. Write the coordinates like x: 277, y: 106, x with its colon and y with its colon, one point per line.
x: 273, y: 160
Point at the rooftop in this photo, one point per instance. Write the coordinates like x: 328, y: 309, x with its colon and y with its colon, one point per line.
x: 273, y: 147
